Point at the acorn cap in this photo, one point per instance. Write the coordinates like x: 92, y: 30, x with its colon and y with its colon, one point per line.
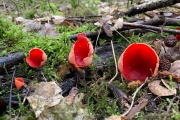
x: 164, y: 65
x: 170, y: 41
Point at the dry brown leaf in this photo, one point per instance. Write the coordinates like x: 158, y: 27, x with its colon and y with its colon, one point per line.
x: 142, y: 103
x: 64, y: 70
x: 72, y: 94
x: 67, y: 23
x: 157, y: 89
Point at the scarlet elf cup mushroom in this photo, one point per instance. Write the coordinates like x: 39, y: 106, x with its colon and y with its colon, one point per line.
x: 81, y: 54
x: 138, y: 62
x: 36, y: 58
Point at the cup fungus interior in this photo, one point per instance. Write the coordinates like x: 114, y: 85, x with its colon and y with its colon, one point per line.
x: 36, y: 57
x: 81, y: 49
x: 139, y: 62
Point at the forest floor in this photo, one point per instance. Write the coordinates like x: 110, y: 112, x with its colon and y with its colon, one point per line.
x: 58, y: 88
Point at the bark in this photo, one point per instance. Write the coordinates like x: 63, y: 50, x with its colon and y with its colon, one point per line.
x: 10, y: 60
x: 148, y: 6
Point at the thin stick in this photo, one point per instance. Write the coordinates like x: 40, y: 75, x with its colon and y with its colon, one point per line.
x: 151, y: 27
x: 168, y: 109
x: 97, y: 38
x: 114, y: 62
x: 10, y: 92
x: 134, y: 95
x: 120, y: 34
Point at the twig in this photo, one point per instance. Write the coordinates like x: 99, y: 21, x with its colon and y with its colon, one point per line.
x: 163, y: 27
x: 151, y: 27
x: 168, y: 108
x: 99, y: 32
x: 134, y: 95
x: 10, y: 92
x: 114, y: 62
x: 120, y: 34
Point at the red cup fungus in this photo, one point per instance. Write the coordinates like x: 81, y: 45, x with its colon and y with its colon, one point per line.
x: 36, y: 58
x: 19, y: 82
x: 178, y: 35
x: 81, y: 54
x: 138, y: 62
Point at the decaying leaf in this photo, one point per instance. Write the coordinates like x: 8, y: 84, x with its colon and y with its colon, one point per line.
x: 72, y: 94
x: 46, y: 94
x: 49, y: 104
x: 64, y: 70
x: 118, y: 24
x: 142, y: 103
x: 57, y: 20
x: 106, y: 19
x: 159, y: 90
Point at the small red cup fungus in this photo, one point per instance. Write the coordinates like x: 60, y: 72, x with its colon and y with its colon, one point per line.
x: 138, y: 62
x: 19, y: 82
x: 36, y: 58
x: 178, y: 35
x: 81, y: 54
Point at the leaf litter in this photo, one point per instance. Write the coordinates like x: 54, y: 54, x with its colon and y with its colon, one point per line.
x: 48, y: 98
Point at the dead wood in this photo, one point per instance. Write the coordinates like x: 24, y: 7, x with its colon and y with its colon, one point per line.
x: 152, y: 28
x: 148, y: 6
x: 10, y: 60
x: 159, y: 20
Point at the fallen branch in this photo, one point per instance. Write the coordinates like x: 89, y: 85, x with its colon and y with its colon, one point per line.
x: 148, y: 6
x: 159, y: 20
x: 10, y: 60
x: 151, y: 27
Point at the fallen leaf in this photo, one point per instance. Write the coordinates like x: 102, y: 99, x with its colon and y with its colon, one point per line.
x: 142, y: 103
x: 118, y: 24
x: 159, y: 90
x: 46, y: 94
x: 72, y: 94
x: 57, y: 20
x: 64, y: 69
